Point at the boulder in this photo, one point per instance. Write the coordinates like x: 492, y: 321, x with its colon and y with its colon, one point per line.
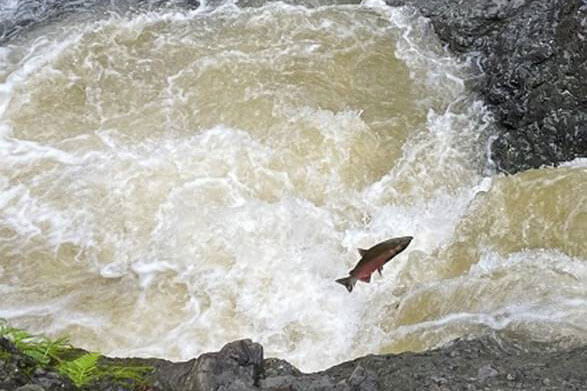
x: 533, y: 54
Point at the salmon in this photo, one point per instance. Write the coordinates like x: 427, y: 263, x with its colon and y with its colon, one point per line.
x: 373, y: 259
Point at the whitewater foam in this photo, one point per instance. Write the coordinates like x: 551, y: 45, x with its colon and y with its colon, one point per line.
x: 166, y: 208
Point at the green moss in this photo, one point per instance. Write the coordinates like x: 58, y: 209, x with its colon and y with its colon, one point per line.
x: 4, y: 355
x: 125, y: 374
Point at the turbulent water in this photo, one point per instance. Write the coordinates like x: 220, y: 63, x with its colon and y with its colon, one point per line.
x: 175, y: 179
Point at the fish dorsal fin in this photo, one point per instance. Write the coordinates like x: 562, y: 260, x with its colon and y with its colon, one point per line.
x: 362, y: 251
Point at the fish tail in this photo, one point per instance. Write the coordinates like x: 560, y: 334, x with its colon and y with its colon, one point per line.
x: 348, y: 282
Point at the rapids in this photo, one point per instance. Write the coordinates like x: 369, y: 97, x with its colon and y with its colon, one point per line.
x: 175, y: 179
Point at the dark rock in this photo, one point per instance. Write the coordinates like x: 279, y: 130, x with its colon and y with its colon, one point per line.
x: 277, y: 367
x: 193, y: 4
x: 30, y: 387
x: 486, y: 371
x: 534, y: 57
x: 237, y: 366
x: 461, y: 365
x: 7, y: 346
x: 362, y: 379
x: 48, y: 382
x: 487, y: 363
x: 439, y: 380
x: 20, y: 372
x: 302, y: 383
x: 280, y: 382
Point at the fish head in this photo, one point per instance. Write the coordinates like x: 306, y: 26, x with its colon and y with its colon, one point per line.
x: 399, y: 244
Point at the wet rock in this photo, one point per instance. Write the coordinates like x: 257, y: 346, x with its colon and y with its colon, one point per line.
x: 30, y: 387
x: 362, y: 379
x: 302, y: 383
x: 277, y: 367
x: 237, y: 366
x: 277, y: 382
x: 464, y: 364
x: 193, y: 4
x: 534, y: 57
x: 20, y: 372
x: 486, y: 371
x: 439, y: 380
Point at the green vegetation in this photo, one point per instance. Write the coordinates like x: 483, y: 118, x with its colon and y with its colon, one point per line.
x: 87, y: 369
x: 42, y: 350
x: 82, y: 368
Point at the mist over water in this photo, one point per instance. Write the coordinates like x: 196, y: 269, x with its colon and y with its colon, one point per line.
x: 172, y: 180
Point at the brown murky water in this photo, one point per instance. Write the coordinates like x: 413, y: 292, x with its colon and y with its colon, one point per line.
x: 173, y: 180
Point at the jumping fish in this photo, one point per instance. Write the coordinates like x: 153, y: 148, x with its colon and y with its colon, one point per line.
x: 374, y: 259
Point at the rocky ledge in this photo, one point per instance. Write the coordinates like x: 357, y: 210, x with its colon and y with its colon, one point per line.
x: 534, y: 57
x: 487, y: 363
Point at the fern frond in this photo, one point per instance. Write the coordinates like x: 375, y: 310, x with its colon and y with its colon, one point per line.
x: 82, y: 370
x: 41, y: 349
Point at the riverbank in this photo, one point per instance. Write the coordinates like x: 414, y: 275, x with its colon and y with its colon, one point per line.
x: 487, y: 363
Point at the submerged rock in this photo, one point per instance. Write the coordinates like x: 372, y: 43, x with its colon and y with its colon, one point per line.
x: 534, y: 57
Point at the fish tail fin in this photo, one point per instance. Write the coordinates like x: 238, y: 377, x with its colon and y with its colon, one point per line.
x: 348, y: 282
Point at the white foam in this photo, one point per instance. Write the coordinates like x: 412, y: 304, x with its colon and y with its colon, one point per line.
x: 539, y: 259
x: 41, y: 309
x: 576, y: 163
x: 41, y: 52
x: 511, y: 316
x: 478, y: 300
x: 217, y: 232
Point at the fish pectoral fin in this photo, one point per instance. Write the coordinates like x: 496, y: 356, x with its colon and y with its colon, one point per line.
x: 366, y: 279
x: 380, y: 270
x: 362, y: 251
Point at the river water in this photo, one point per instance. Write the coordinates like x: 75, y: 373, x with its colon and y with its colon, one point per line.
x: 174, y: 179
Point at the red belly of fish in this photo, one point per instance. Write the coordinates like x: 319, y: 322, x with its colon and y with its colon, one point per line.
x: 364, y: 272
